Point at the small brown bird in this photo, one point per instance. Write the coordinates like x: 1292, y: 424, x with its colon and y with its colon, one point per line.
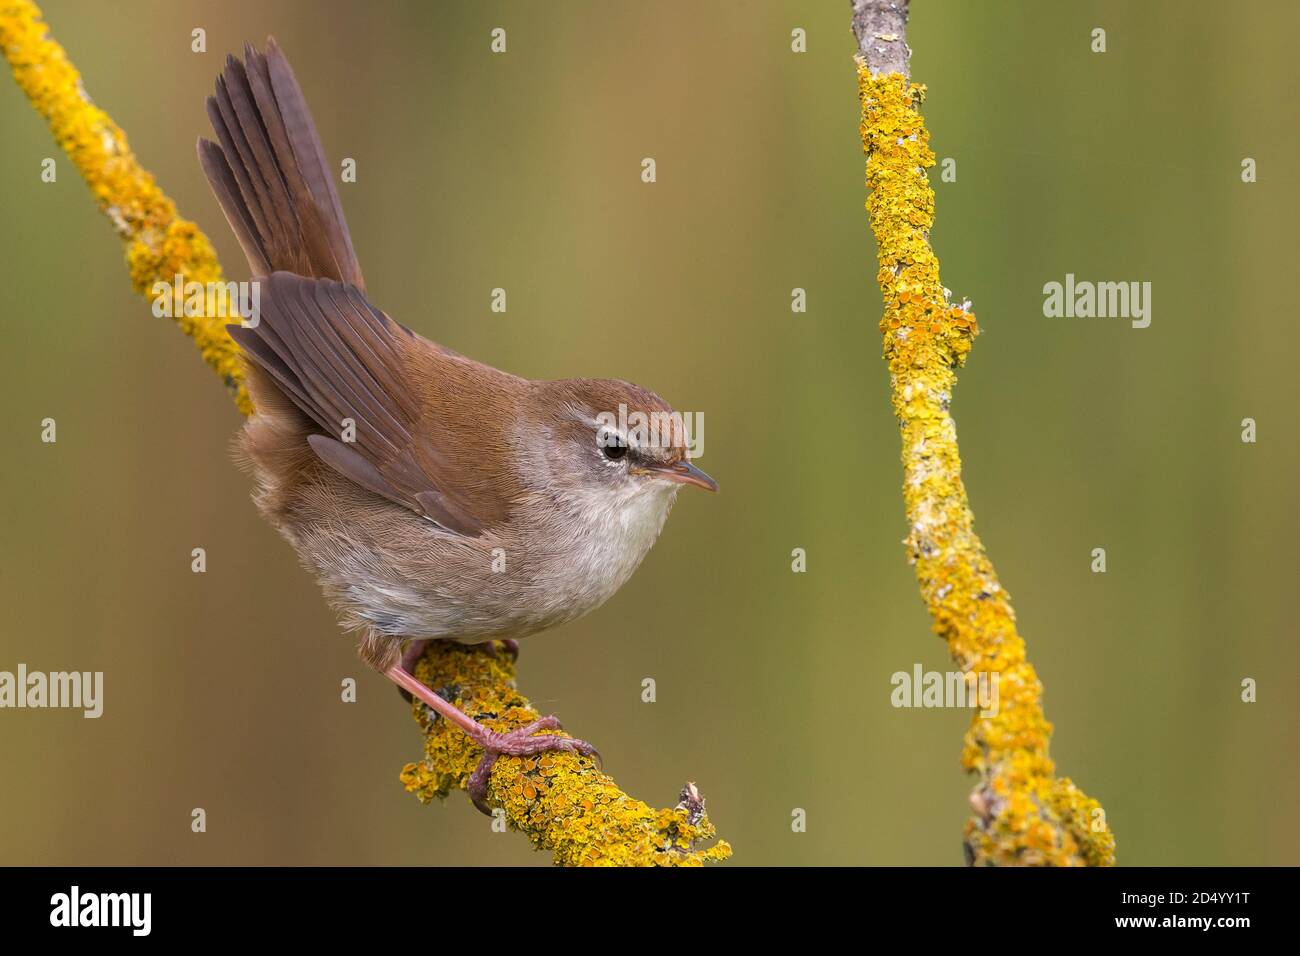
x: 434, y: 497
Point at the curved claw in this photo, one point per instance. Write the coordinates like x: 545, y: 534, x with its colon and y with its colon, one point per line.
x: 477, y: 783
x: 592, y: 752
x: 520, y: 743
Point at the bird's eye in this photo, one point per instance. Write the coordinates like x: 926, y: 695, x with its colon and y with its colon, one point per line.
x: 612, y: 445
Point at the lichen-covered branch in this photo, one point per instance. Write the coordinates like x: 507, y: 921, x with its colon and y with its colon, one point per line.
x: 562, y: 802
x: 159, y: 244
x: 1024, y: 814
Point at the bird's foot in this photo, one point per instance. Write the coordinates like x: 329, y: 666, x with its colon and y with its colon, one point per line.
x: 517, y: 743
x: 508, y: 644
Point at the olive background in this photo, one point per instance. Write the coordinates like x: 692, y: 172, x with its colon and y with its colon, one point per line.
x: 522, y: 171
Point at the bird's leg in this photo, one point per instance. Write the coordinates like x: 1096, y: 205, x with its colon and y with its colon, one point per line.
x: 415, y: 650
x: 410, y: 654
x: 516, y: 743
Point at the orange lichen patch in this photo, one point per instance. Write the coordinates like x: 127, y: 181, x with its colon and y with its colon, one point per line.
x: 564, y: 802
x: 159, y: 244
x: 1024, y: 815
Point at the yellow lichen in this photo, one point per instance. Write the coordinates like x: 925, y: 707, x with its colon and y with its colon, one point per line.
x: 1024, y: 815
x: 159, y: 244
x: 564, y: 802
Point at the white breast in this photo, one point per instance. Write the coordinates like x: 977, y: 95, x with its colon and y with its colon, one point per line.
x: 608, y: 536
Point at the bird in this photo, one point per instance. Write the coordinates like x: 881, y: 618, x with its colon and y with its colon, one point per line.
x: 434, y: 497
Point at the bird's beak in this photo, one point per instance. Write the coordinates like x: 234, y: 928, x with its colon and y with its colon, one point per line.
x: 684, y: 473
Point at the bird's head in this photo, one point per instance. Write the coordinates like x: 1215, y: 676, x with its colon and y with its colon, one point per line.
x: 616, y: 441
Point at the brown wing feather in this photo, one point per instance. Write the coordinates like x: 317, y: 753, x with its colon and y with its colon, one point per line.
x: 338, y: 358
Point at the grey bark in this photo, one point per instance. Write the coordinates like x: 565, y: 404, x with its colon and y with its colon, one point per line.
x: 881, y: 29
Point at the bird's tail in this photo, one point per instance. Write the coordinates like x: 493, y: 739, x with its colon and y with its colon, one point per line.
x: 270, y: 175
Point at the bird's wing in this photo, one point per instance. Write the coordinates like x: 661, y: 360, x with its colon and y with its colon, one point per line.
x: 347, y: 366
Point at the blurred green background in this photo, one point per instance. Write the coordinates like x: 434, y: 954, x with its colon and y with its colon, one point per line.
x: 522, y: 171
